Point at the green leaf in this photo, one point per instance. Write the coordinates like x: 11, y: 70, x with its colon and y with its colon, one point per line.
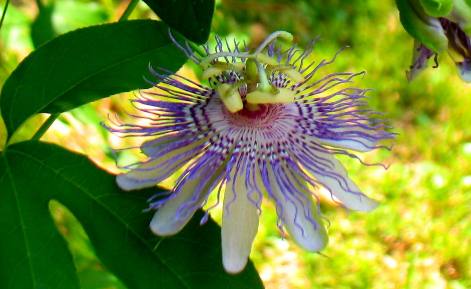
x: 192, y: 18
x: 33, y: 255
x: 86, y: 65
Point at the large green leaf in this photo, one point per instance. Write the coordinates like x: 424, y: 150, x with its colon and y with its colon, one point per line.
x: 192, y: 18
x: 33, y: 254
x: 86, y: 65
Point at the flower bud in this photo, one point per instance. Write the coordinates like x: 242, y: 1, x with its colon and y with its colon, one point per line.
x: 465, y: 70
x: 425, y: 29
x: 420, y: 58
x: 437, y: 8
x: 461, y: 14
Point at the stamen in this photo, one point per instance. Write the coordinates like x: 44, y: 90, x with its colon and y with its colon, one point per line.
x: 252, y: 107
x: 282, y: 95
x: 219, y: 67
x: 205, y: 62
x: 295, y: 75
x: 265, y: 59
x: 230, y: 97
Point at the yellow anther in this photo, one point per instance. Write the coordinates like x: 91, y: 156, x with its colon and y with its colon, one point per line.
x: 251, y: 107
x: 295, y: 75
x: 237, y: 66
x: 282, y: 95
x: 259, y: 97
x: 263, y: 58
x: 289, y: 71
x: 230, y: 97
x: 219, y: 67
x: 211, y: 71
x: 206, y: 62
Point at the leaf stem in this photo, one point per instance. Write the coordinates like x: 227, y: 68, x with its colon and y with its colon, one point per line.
x: 4, y: 13
x: 132, y: 4
x: 45, y: 126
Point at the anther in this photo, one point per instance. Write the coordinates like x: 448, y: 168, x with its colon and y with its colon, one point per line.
x: 230, y: 97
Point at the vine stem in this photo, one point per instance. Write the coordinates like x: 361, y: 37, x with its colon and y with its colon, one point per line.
x: 4, y: 13
x: 44, y: 127
x: 132, y: 4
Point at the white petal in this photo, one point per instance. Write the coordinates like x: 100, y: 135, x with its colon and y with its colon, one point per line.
x: 153, y: 147
x: 351, y: 198
x: 300, y: 213
x: 239, y: 225
x: 464, y: 68
x: 347, y: 144
x: 154, y: 171
x: 145, y: 175
x: 357, y: 143
x: 165, y: 221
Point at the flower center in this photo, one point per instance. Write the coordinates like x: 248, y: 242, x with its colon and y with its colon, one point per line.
x: 252, y: 70
x: 263, y: 116
x: 254, y: 112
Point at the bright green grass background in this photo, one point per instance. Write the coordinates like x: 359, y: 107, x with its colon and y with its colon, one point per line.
x: 420, y: 235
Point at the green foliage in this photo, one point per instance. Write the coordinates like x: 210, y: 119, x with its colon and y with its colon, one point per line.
x: 37, y: 179
x: 86, y: 65
x: 34, y: 255
x: 193, y: 20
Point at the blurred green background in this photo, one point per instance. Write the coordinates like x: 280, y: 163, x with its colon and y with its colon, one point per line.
x: 420, y: 235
